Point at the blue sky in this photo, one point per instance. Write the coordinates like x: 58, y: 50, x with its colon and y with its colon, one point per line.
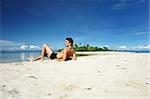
x: 97, y: 22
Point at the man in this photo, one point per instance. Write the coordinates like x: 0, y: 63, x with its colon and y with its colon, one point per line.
x: 67, y: 53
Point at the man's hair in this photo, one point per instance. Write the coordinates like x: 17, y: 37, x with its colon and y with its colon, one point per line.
x: 70, y: 40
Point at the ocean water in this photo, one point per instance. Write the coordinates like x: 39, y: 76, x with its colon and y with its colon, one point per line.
x: 20, y: 56
x: 17, y: 56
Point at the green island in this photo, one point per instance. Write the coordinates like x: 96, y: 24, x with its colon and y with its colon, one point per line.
x: 87, y: 48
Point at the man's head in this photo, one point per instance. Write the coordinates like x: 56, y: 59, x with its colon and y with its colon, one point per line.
x: 69, y: 42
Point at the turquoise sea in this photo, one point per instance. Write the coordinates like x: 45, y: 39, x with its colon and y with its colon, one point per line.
x: 17, y: 56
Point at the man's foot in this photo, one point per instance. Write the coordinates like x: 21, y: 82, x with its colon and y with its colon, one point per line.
x: 41, y: 59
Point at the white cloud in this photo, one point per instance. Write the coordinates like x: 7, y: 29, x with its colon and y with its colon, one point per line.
x: 81, y: 38
x: 125, y: 4
x: 123, y: 47
x: 23, y: 47
x: 106, y: 46
x: 122, y: 4
x: 35, y: 47
x: 9, y: 43
x: 141, y: 1
x: 29, y: 47
x: 6, y: 45
x: 140, y: 33
x: 101, y: 46
x: 139, y: 47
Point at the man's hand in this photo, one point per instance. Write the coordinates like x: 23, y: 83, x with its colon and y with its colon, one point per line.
x: 59, y: 60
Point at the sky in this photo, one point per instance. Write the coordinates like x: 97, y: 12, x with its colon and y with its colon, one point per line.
x: 112, y: 23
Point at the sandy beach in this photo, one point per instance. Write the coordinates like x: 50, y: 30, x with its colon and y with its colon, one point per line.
x: 105, y: 75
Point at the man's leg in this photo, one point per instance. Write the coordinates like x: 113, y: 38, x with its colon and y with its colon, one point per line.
x: 37, y: 58
x: 46, y: 50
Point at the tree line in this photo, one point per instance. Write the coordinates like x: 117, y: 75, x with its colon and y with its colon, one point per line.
x: 87, y: 47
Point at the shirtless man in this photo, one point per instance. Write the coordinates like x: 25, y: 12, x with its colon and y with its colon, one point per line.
x: 67, y: 53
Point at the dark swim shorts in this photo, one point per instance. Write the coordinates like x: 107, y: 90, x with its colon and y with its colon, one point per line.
x: 53, y: 56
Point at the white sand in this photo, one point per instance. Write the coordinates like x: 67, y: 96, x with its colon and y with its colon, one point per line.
x: 108, y: 75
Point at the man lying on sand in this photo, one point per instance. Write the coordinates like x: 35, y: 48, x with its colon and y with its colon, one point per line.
x: 67, y: 53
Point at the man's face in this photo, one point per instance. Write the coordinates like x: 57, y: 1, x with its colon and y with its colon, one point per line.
x: 67, y: 43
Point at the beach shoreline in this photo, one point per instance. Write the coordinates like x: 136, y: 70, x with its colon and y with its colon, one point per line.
x: 105, y: 75
x: 14, y: 57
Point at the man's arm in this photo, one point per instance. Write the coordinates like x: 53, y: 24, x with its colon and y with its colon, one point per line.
x: 74, y: 56
x: 64, y: 56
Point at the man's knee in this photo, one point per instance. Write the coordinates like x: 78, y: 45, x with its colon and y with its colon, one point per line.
x: 45, y: 44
